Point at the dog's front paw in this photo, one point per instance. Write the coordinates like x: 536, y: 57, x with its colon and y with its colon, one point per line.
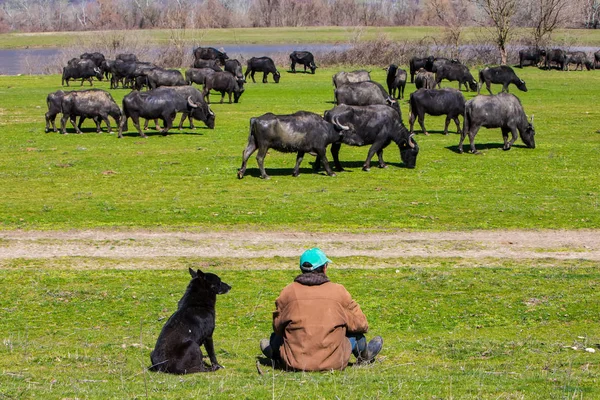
x: 216, y: 366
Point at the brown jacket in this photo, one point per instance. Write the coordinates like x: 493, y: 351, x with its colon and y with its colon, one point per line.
x: 313, y: 316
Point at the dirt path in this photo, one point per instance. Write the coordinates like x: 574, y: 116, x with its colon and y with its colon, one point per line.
x: 580, y: 244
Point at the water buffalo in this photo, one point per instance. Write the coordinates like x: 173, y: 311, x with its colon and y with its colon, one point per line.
x: 396, y: 80
x: 364, y: 94
x: 264, y: 65
x: 304, y: 58
x: 432, y: 65
x: 207, y: 64
x: 223, y: 82
x: 424, y: 79
x: 127, y: 57
x: 198, y: 75
x: 503, y: 110
x: 301, y: 133
x: 201, y: 113
x: 378, y: 126
x: 343, y: 77
x: 94, y: 103
x: 532, y: 55
x: 503, y: 75
x: 456, y: 72
x: 128, y: 72
x: 416, y: 63
x: 210, y: 53
x: 96, y: 57
x: 448, y: 102
x: 54, y: 103
x: 81, y: 69
x: 235, y: 68
x: 164, y: 77
x: 162, y: 103
x: 558, y: 57
x: 579, y: 58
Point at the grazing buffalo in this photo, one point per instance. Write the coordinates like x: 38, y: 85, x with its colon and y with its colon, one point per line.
x: 162, y: 103
x: 416, y: 63
x: 558, y: 57
x: 343, y: 77
x: 378, y: 126
x: 456, y: 72
x: 54, y: 102
x: 164, y: 77
x: 396, y: 80
x: 301, y: 133
x: 579, y: 58
x: 448, y: 102
x: 127, y: 57
x: 304, y: 58
x: 425, y: 79
x: 96, y: 57
x: 432, y: 65
x: 198, y: 75
x: 364, y: 94
x: 503, y: 75
x: 201, y: 113
x: 81, y: 69
x: 533, y: 56
x: 223, y: 82
x: 264, y: 65
x: 210, y: 53
x: 94, y: 103
x: 503, y: 111
x: 207, y: 64
x: 235, y: 68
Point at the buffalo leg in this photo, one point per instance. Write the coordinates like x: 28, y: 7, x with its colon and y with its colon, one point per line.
x: 136, y: 123
x: 299, y: 158
x: 457, y: 122
x: 508, y: 145
x: 250, y: 148
x: 372, y: 150
x: 168, y: 124
x: 106, y: 121
x: 335, y: 153
x: 293, y: 67
x: 422, y: 123
x: 50, y: 119
x: 463, y: 134
x: 323, y: 156
x: 446, y: 124
x: 223, y: 96
x: 260, y: 159
x: 382, y: 164
x: 411, y: 122
x: 488, y: 85
x: 252, y: 76
x: 472, y: 140
x: 265, y: 77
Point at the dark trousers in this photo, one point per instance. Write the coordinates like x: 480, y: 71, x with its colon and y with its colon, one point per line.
x: 358, y: 343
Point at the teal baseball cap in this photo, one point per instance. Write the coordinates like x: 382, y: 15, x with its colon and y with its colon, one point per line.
x: 315, y: 257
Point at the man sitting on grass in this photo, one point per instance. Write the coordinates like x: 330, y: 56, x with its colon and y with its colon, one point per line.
x: 316, y: 323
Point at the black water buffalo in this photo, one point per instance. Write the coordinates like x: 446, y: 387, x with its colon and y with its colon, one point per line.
x: 94, y: 103
x: 212, y: 64
x: 106, y: 68
x: 201, y: 113
x: 223, y: 82
x: 301, y: 133
x: 579, y: 58
x: 502, y: 110
x: 197, y: 75
x: 304, y: 58
x: 503, y: 75
x: 54, y: 103
x: 127, y: 57
x: 424, y: 79
x: 128, y: 72
x: 448, y: 102
x: 235, y: 68
x: 164, y: 77
x: 378, y: 126
x: 343, y: 77
x: 416, y: 63
x: 96, y: 57
x: 264, y: 65
x: 162, y: 103
x: 396, y: 80
x: 456, y: 72
x: 81, y: 69
x: 558, y: 57
x: 210, y: 53
x: 533, y: 56
x: 432, y: 65
x: 364, y: 94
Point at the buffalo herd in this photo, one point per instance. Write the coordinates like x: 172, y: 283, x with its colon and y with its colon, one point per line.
x: 365, y: 112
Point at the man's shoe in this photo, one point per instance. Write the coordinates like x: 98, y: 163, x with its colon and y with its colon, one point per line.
x: 265, y: 347
x: 373, y: 348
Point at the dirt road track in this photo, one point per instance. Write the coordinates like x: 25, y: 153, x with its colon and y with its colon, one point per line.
x: 563, y: 245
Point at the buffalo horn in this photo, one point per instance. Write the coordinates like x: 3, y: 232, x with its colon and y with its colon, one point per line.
x: 410, y: 141
x: 531, y: 120
x: 343, y: 127
x: 191, y: 103
x: 209, y: 110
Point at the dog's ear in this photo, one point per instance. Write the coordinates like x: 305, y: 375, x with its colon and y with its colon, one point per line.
x: 200, y: 274
x: 193, y: 273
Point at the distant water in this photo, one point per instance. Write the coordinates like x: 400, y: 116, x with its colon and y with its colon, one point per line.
x: 17, y: 61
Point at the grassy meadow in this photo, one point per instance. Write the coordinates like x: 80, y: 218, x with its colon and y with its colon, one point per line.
x: 82, y: 327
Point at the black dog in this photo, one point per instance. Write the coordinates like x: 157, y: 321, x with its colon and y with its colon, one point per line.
x: 177, y: 349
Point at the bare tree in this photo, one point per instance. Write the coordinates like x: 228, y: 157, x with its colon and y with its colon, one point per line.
x: 591, y: 13
x: 450, y: 14
x: 546, y: 17
x: 499, y: 15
